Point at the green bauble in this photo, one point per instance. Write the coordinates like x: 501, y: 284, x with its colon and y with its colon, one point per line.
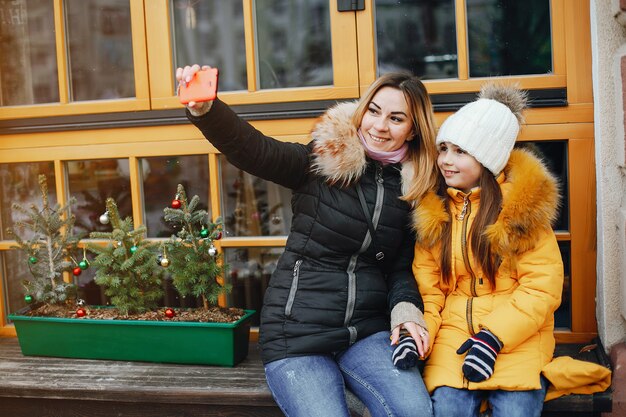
x: 83, y: 264
x: 32, y: 260
x: 28, y: 299
x: 204, y: 233
x: 133, y: 249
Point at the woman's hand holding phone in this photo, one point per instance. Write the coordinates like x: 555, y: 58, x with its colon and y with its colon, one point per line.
x: 197, y: 87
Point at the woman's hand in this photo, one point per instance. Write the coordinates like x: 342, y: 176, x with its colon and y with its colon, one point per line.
x: 417, y: 332
x: 185, y: 75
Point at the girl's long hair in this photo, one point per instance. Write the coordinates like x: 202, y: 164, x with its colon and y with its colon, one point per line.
x: 488, y: 210
x: 422, y: 150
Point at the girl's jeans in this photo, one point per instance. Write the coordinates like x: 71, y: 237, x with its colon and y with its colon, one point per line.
x: 313, y: 385
x: 453, y: 402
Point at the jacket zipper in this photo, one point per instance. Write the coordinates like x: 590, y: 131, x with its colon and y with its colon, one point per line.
x: 464, y: 217
x: 380, y: 194
x: 294, y: 287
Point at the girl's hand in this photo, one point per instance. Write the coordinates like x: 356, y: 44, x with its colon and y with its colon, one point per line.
x: 417, y: 332
x: 185, y: 75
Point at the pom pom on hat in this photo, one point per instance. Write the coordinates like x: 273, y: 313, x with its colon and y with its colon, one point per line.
x: 488, y: 127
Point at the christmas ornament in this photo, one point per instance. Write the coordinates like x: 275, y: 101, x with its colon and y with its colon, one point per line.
x: 256, y: 215
x: 133, y: 249
x: 76, y: 271
x: 81, y: 312
x: 28, y: 298
x: 204, y: 233
x: 84, y: 264
x: 32, y: 260
x: 212, y: 250
x: 104, y: 219
x: 176, y: 203
x: 218, y: 236
x: 80, y: 302
x: 165, y: 262
x: 169, y: 313
x: 159, y: 259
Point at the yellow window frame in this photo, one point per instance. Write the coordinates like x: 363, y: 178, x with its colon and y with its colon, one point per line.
x: 64, y: 107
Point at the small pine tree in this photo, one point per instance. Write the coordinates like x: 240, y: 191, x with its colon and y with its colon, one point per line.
x: 195, y: 264
x: 126, y: 267
x: 48, y: 250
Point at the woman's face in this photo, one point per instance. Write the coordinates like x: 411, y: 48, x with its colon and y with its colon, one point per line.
x: 460, y: 169
x: 386, y: 124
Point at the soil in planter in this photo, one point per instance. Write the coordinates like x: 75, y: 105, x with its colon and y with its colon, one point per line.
x: 212, y: 315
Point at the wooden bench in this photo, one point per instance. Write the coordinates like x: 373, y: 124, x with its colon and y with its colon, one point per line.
x: 40, y: 386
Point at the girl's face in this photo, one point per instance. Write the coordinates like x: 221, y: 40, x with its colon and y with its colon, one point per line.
x: 386, y: 124
x: 460, y: 169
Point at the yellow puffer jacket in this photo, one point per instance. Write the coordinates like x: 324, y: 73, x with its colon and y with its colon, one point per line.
x: 519, y: 310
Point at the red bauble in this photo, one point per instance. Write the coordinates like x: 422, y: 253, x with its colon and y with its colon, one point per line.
x: 176, y: 204
x: 218, y: 236
x: 76, y: 271
x: 169, y: 313
x: 81, y: 312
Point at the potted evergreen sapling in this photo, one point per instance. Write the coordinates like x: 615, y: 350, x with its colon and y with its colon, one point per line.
x: 48, y: 251
x: 197, y: 269
x: 126, y: 266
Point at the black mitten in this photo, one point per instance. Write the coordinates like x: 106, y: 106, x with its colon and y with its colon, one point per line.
x: 405, y: 354
x: 482, y: 350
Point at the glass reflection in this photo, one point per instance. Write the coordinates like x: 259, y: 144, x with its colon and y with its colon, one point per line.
x: 418, y: 36
x: 91, y: 183
x: 252, y: 206
x: 554, y: 155
x: 211, y: 32
x: 509, y: 37
x: 293, y: 43
x: 100, y: 49
x: 14, y: 271
x: 27, y: 42
x: 249, y: 273
x: 563, y: 315
x: 161, y: 176
x: 19, y: 184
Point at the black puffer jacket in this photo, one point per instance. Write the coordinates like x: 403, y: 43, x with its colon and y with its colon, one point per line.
x: 328, y: 290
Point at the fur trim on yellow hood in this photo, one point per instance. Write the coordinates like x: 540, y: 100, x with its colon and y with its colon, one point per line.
x: 530, y: 199
x: 338, y: 152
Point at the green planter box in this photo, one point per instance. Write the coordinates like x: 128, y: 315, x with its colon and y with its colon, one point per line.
x: 224, y: 344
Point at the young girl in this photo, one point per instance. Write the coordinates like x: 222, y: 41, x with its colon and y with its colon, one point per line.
x: 343, y: 281
x: 488, y: 264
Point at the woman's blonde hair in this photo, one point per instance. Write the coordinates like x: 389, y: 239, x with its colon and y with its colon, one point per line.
x: 422, y: 150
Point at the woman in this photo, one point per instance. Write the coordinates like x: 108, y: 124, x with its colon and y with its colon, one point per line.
x: 325, y: 319
x: 488, y: 264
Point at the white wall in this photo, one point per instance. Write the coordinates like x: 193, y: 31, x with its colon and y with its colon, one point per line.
x: 608, y: 41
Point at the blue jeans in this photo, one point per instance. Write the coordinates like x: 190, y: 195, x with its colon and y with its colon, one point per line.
x: 453, y: 402
x: 314, y: 385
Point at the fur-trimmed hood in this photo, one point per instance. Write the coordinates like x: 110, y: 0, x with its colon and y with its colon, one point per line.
x: 338, y: 154
x: 530, y: 200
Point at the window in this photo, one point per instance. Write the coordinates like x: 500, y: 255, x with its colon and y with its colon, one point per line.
x: 455, y: 45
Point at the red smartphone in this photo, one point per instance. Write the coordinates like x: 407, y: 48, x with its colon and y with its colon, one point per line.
x: 202, y: 87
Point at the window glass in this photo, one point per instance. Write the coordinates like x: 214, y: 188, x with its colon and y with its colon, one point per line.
x: 293, y: 43
x: 27, y: 42
x: 249, y: 274
x: 554, y: 155
x: 509, y: 37
x: 161, y: 176
x: 211, y: 32
x: 19, y: 184
x: 418, y: 36
x: 91, y: 183
x: 563, y: 315
x: 100, y: 49
x: 252, y: 206
x: 14, y: 271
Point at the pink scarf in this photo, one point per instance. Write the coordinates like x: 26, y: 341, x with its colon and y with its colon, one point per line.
x: 385, y: 158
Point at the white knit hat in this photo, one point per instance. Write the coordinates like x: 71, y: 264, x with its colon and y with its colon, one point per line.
x: 487, y: 128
